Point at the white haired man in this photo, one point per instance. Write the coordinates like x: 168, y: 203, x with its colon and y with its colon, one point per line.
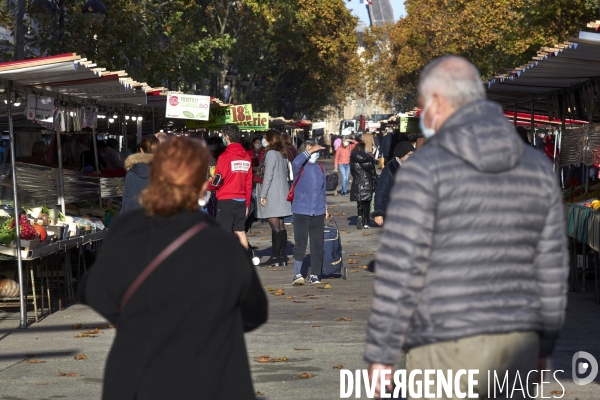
x: 471, y: 269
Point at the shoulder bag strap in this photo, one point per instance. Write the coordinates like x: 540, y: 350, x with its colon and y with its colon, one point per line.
x: 185, y: 236
x: 298, y: 178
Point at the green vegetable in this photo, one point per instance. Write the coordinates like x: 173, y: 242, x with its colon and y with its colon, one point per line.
x: 61, y: 217
x: 7, y: 235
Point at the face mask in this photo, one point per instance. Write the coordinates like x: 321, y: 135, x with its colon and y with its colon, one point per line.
x: 224, y: 142
x: 427, y: 132
x: 346, y: 144
x: 313, y: 158
x: 264, y: 143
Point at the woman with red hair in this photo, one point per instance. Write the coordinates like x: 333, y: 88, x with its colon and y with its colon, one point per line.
x: 175, y: 335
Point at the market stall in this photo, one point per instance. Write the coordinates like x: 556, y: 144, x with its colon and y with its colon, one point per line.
x: 560, y: 89
x: 64, y: 93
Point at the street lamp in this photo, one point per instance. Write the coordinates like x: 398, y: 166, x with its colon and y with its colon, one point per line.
x: 93, y: 12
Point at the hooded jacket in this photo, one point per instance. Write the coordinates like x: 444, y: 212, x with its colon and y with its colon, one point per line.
x: 364, y: 177
x: 235, y: 168
x: 474, y: 241
x: 137, y: 166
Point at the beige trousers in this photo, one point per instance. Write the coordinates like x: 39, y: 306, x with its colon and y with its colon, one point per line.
x: 516, y: 351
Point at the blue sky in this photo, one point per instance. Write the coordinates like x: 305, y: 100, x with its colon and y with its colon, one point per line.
x: 360, y: 10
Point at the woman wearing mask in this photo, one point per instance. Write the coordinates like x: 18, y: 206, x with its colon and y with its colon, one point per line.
x: 310, y: 211
x: 178, y: 353
x: 138, y: 172
x: 402, y: 151
x: 342, y: 162
x: 272, y: 192
x: 364, y: 182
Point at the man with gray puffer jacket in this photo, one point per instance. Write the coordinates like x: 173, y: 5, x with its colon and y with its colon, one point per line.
x: 471, y: 271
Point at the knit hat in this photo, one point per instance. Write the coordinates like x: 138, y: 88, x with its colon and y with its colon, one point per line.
x: 402, y: 149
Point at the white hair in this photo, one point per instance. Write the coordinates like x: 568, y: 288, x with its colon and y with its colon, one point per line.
x: 454, y: 78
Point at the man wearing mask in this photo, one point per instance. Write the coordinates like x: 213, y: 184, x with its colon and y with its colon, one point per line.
x: 233, y: 184
x: 342, y: 162
x: 471, y: 270
x: 402, y: 151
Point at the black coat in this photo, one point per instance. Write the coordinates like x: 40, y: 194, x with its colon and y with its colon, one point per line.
x: 181, y: 336
x: 136, y: 180
x: 386, y: 148
x: 364, y: 177
x: 384, y: 186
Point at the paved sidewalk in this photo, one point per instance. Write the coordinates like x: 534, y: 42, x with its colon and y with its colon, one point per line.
x: 302, y: 328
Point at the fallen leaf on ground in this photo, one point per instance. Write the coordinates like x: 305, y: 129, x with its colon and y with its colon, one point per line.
x: 367, y: 234
x: 300, y: 349
x: 268, y: 359
x: 305, y: 375
x: 557, y: 392
x: 327, y: 286
x: 338, y: 367
x: 295, y: 301
x: 354, y: 255
x: 102, y: 327
x: 263, y: 238
x: 76, y: 326
x: 260, y: 393
x: 82, y: 335
x: 81, y: 357
x: 354, y: 270
x: 304, y: 315
x: 270, y: 289
x: 259, y: 232
x: 279, y: 292
x: 364, y: 267
x: 319, y: 308
x: 366, y: 255
x: 344, y: 319
x: 68, y: 374
x: 35, y: 361
x: 351, y: 261
x: 349, y: 241
x: 289, y: 297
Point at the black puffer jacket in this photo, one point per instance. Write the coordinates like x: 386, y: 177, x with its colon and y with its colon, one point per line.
x: 474, y: 241
x: 364, y: 177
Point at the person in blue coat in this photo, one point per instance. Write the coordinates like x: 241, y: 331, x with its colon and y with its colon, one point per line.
x: 310, y: 210
x: 402, y: 151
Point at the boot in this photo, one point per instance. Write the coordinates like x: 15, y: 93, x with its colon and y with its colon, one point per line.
x: 274, y: 259
x: 283, y: 260
x: 366, y: 215
x: 359, y: 221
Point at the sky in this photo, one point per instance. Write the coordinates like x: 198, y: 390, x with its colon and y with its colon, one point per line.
x: 360, y: 10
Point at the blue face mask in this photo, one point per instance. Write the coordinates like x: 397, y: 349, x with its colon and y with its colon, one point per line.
x: 264, y: 143
x: 224, y: 141
x: 427, y: 132
x: 313, y: 158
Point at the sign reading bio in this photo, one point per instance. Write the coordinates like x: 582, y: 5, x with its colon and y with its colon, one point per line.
x: 187, y: 106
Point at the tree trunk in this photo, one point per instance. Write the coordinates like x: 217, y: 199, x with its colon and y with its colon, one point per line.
x: 19, y: 33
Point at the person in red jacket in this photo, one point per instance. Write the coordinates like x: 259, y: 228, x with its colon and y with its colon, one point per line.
x: 233, y: 184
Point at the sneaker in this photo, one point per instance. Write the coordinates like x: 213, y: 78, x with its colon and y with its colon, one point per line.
x: 345, y: 194
x: 314, y: 279
x: 298, y: 280
x: 366, y: 227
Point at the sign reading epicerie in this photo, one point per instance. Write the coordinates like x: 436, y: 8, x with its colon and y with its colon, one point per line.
x: 187, y: 106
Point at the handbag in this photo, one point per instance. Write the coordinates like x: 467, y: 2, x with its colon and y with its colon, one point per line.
x: 185, y: 236
x: 290, y: 196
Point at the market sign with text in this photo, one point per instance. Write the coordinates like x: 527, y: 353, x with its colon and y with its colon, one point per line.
x: 187, y: 106
x: 259, y: 122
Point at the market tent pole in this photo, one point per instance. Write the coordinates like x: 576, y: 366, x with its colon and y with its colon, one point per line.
x: 61, y: 181
x: 532, y: 120
x: 95, y: 147
x: 124, y: 129
x: 563, y: 126
x: 11, y: 136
